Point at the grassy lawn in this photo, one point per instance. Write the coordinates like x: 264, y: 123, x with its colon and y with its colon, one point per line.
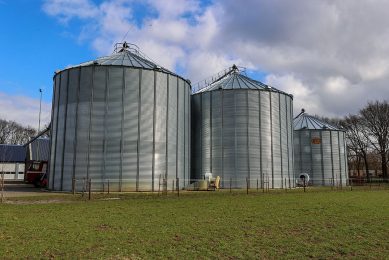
x: 289, y: 225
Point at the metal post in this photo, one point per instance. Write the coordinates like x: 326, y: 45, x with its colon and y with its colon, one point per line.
x: 247, y: 185
x: 74, y: 186
x: 2, y: 187
x: 257, y: 185
x: 159, y: 184
x: 178, y: 187
x: 108, y: 186
x: 173, y: 186
x: 89, y: 188
x: 286, y: 187
x: 304, y: 184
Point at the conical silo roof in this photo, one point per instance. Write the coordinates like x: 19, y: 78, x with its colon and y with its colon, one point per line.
x: 128, y: 56
x: 307, y: 122
x: 237, y: 80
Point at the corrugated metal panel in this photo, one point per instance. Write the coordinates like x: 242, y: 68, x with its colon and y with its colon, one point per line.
x: 130, y: 129
x: 83, y: 125
x: 276, y: 129
x: 181, y: 132
x: 216, y: 132
x: 205, y: 133
x: 172, y: 129
x: 70, y: 129
x: 266, y: 159
x: 161, y: 126
x: 229, y: 151
x: 146, y: 131
x: 60, y: 131
x: 97, y: 138
x: 113, y: 129
x: 53, y: 131
x: 187, y: 131
x: 254, y: 137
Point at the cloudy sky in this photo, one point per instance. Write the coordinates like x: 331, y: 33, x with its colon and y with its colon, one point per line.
x: 332, y: 55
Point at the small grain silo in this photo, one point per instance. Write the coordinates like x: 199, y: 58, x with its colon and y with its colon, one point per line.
x: 242, y: 130
x: 121, y: 119
x: 320, y: 151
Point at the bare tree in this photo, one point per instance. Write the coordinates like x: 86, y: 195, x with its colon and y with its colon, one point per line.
x: 375, y: 118
x: 356, y: 140
x: 14, y: 133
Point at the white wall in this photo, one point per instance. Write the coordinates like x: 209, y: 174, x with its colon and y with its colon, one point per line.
x: 12, y: 171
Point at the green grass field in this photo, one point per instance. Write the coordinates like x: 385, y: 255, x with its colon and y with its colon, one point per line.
x: 289, y: 225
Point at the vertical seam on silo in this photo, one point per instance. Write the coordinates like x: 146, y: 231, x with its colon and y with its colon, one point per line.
x: 235, y: 141
x: 107, y: 75
x: 210, y: 131
x: 122, y: 131
x: 340, y: 161
x: 345, y: 158
x: 189, y: 130
x: 291, y: 141
x: 271, y: 140
x: 76, y: 125
x: 222, y: 142
x: 260, y: 139
x: 322, y: 157
x: 287, y: 139
x: 248, y: 137
x: 201, y: 135
x: 139, y: 122
x: 177, y: 125
x: 90, y: 121
x: 311, y: 156
x: 56, y: 128
x: 154, y: 118
x: 51, y: 133
x: 64, y: 128
x: 301, y: 153
x: 332, y: 159
x: 281, y: 150
x: 167, y: 131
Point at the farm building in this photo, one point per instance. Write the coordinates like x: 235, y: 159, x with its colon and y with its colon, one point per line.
x: 12, y: 158
x: 320, y: 151
x: 242, y: 131
x: 120, y: 118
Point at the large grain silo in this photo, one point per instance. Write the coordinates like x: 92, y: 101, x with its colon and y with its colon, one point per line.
x: 120, y: 118
x: 320, y: 151
x: 242, y: 128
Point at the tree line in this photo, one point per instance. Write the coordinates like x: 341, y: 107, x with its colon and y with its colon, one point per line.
x: 367, y: 138
x: 15, y: 133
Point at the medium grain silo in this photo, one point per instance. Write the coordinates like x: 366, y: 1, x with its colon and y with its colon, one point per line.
x: 320, y: 151
x: 242, y: 128
x: 120, y: 118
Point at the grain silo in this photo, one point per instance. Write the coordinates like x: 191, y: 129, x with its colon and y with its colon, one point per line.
x: 120, y: 118
x: 242, y: 128
x: 320, y: 151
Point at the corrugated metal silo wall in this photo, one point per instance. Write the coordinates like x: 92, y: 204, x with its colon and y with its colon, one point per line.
x: 126, y: 125
x: 324, y: 161
x: 239, y: 134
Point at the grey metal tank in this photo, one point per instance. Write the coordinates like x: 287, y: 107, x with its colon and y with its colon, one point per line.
x: 120, y: 118
x: 320, y: 151
x: 242, y: 128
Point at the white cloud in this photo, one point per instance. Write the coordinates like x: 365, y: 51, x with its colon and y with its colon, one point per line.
x: 24, y: 110
x: 331, y: 55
